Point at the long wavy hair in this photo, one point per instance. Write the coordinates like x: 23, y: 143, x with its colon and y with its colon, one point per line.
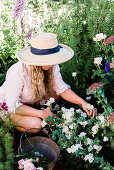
x: 42, y: 83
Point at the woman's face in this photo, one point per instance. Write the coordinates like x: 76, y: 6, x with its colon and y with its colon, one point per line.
x: 46, y: 67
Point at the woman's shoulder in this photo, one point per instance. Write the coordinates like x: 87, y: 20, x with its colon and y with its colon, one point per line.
x: 15, y: 68
x: 56, y: 68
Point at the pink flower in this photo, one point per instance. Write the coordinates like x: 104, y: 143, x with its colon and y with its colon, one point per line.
x: 21, y: 162
x: 29, y: 166
x: 30, y: 34
x: 20, y: 167
x: 95, y: 86
x: 19, y: 6
x: 109, y: 40
x: 112, y: 64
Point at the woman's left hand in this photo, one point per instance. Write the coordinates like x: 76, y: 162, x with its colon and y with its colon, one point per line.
x: 92, y: 112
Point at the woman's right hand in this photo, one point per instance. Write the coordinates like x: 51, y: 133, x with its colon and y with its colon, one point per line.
x: 46, y: 112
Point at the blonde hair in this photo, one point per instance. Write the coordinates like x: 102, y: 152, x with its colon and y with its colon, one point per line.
x: 42, y: 83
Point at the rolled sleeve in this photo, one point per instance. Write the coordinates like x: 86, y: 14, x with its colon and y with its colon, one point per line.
x: 13, y: 87
x: 59, y: 85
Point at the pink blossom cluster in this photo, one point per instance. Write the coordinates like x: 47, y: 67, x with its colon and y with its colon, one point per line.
x: 18, y: 8
x: 26, y: 164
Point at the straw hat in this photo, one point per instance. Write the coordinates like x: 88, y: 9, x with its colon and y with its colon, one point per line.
x: 45, y: 51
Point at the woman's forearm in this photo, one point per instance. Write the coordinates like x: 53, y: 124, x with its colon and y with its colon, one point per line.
x: 72, y: 97
x: 25, y: 110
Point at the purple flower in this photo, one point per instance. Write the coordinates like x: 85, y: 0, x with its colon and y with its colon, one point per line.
x: 4, y: 106
x: 107, y: 67
x: 105, y: 76
x: 30, y: 34
x: 18, y: 8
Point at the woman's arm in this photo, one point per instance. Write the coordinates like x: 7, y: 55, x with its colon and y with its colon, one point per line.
x: 25, y: 110
x: 72, y: 97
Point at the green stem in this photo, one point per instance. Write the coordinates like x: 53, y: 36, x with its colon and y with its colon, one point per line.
x: 100, y: 99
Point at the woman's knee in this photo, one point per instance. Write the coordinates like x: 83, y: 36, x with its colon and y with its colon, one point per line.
x: 35, y: 125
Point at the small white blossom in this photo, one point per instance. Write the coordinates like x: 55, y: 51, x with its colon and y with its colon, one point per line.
x: 97, y: 60
x: 97, y: 147
x: 43, y: 123
x: 99, y: 37
x: 65, y: 129
x: 74, y: 74
x: 89, y: 106
x: 88, y: 98
x: 89, y: 141
x: 74, y: 148
x: 89, y: 157
x: 42, y: 102
x: 39, y: 168
x: 83, y: 114
x: 84, y: 123
x: 101, y: 118
x: 71, y: 126
x: 90, y: 148
x: 84, y: 22
x: 105, y: 139
x: 82, y: 134
x: 95, y: 129
x: 68, y: 135
x: 50, y: 101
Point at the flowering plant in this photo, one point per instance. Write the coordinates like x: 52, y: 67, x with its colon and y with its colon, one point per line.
x: 68, y: 129
x: 28, y: 164
x: 105, y: 58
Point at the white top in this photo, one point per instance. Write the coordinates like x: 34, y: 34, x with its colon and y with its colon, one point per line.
x: 17, y: 87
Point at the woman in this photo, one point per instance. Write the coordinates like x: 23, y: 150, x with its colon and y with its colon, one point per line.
x: 34, y: 77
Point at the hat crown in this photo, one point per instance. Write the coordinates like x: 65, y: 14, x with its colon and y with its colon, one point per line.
x: 44, y: 41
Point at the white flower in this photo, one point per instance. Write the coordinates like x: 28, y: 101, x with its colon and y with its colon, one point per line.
x: 101, y: 118
x: 68, y: 135
x: 97, y: 147
x: 82, y: 134
x: 95, y: 129
x: 83, y: 114
x: 71, y: 126
x: 97, y: 60
x: 90, y: 148
x: 89, y: 157
x: 89, y: 106
x: 105, y: 139
x: 50, y: 101
x: 74, y: 74
x: 79, y: 111
x: 43, y: 123
x: 99, y: 37
x: 39, y: 168
x: 88, y: 98
x: 89, y: 141
x: 65, y: 129
x: 42, y: 102
x: 84, y: 123
x: 84, y: 22
x: 78, y: 146
x: 74, y: 148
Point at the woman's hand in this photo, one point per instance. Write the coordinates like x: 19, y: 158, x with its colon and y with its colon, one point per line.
x: 89, y: 112
x: 46, y: 112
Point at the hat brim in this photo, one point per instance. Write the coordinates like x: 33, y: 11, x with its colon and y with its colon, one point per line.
x: 65, y: 54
